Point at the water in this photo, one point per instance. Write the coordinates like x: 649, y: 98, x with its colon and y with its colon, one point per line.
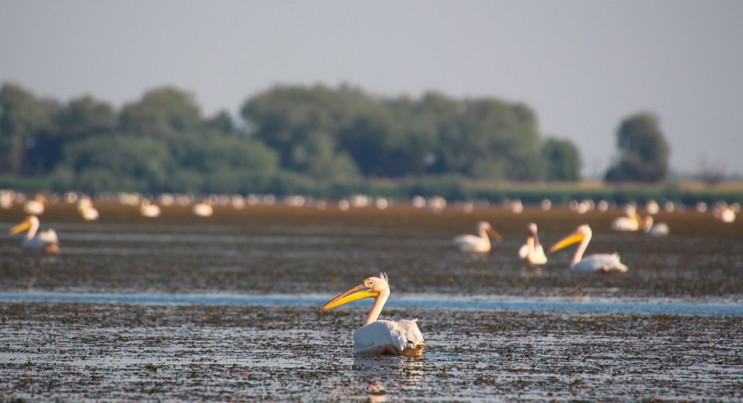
x: 225, y: 308
x: 650, y: 307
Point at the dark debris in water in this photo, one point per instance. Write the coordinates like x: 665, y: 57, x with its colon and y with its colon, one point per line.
x: 98, y: 351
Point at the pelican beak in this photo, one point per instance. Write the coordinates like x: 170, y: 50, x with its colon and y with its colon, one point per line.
x: 358, y: 292
x: 495, y: 235
x: 24, y: 226
x: 567, y: 241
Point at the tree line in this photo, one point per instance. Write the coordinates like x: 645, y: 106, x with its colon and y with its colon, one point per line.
x: 292, y: 138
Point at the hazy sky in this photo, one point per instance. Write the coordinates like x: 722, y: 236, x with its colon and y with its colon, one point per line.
x: 583, y: 66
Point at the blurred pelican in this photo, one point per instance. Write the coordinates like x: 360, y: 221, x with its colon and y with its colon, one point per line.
x: 36, y: 205
x: 630, y: 222
x: 44, y: 241
x: 657, y: 229
x: 148, y: 209
x: 532, y: 251
x: 598, y: 262
x: 479, y: 242
x: 203, y: 209
x: 380, y: 336
x: 723, y: 212
x: 86, y: 209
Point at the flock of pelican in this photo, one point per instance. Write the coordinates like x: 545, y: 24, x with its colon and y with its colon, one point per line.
x: 401, y: 337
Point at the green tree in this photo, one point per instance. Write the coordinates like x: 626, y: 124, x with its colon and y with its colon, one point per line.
x: 644, y: 153
x: 164, y: 112
x: 22, y: 118
x: 118, y: 163
x: 562, y: 160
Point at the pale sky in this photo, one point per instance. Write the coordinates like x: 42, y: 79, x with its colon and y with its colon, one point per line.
x: 582, y: 65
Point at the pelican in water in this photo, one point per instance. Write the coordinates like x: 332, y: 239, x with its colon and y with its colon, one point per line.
x: 203, y: 209
x: 44, y: 241
x: 86, y: 209
x: 630, y: 222
x: 479, y: 242
x: 380, y: 336
x: 148, y: 209
x: 655, y: 229
x: 591, y: 263
x: 36, y: 205
x: 532, y: 251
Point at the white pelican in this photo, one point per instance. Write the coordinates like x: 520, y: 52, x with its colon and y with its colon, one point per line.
x: 86, y: 209
x: 630, y: 222
x: 44, y: 241
x: 479, y: 242
x: 657, y: 229
x: 36, y: 205
x: 204, y: 209
x: 149, y: 210
x: 598, y: 262
x: 380, y: 336
x: 532, y: 251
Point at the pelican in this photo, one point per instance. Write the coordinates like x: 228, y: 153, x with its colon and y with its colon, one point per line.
x: 657, y: 229
x: 203, y: 209
x: 380, y: 336
x: 532, y: 251
x: 479, y: 242
x: 44, y: 241
x: 148, y: 209
x: 598, y: 262
x: 36, y: 205
x: 630, y: 222
x: 86, y: 209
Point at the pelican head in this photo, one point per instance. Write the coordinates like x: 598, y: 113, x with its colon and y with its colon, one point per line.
x: 27, y: 224
x: 485, y: 227
x: 371, y: 287
x: 581, y: 233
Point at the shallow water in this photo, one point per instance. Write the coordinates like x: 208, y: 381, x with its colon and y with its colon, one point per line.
x: 224, y: 308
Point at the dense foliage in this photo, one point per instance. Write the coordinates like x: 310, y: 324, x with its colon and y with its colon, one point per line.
x: 290, y: 138
x: 644, y: 153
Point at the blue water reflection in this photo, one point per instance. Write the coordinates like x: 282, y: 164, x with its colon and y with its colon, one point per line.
x: 419, y: 301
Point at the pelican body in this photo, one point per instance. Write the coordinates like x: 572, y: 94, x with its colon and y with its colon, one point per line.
x: 479, y: 242
x: 630, y: 222
x: 380, y: 336
x: 592, y: 263
x: 655, y: 229
x: 44, y: 241
x: 532, y: 251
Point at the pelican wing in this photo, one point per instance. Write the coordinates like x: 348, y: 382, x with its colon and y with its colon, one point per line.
x: 471, y: 243
x: 601, y: 262
x: 399, y: 338
x: 48, y: 237
x: 523, y: 251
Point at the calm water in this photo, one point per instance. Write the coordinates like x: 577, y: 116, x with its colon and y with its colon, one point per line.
x: 224, y: 308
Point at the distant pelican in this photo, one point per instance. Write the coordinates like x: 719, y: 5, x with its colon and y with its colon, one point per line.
x: 44, y: 241
x: 532, y: 251
x: 630, y: 222
x: 479, y: 242
x: 598, y: 262
x: 86, y: 209
x: 204, y: 209
x: 36, y: 205
x: 657, y: 229
x: 380, y: 336
x: 148, y: 209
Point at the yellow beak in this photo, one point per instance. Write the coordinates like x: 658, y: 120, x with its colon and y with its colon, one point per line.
x: 567, y: 241
x: 20, y: 227
x: 353, y: 294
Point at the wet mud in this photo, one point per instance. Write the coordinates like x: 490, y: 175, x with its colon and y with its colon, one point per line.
x: 102, y: 351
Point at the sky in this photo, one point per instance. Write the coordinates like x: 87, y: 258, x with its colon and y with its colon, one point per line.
x: 582, y: 65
